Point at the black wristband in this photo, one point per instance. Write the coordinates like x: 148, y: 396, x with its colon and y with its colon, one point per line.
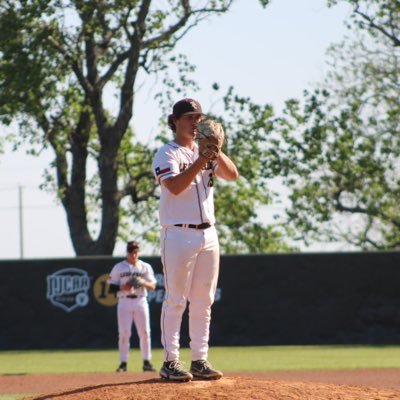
x: 113, y: 288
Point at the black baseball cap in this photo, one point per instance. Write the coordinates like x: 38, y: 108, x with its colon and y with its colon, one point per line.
x: 186, y: 107
x: 132, y: 246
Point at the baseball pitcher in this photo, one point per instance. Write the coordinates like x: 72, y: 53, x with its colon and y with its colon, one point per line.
x: 185, y: 169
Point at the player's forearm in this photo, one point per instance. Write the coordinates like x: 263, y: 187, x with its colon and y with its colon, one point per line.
x: 150, y: 285
x: 226, y: 169
x: 180, y: 182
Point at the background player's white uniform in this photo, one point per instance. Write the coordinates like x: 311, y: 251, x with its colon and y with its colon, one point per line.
x: 190, y: 256
x: 132, y: 307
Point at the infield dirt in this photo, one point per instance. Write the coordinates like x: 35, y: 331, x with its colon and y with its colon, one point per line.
x: 380, y: 384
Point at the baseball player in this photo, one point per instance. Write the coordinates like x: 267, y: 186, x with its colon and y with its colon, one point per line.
x: 130, y: 279
x: 189, y: 242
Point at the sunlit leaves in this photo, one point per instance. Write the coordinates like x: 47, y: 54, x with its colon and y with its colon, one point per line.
x: 348, y: 150
x: 250, y: 136
x: 380, y: 18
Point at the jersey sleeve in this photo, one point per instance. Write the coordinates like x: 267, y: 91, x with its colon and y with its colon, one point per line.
x: 149, y: 273
x: 114, y: 278
x: 165, y: 164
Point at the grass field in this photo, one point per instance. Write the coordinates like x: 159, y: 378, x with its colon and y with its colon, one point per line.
x: 260, y: 358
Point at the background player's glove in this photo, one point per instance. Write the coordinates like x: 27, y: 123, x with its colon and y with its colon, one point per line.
x: 136, y: 281
x: 210, y: 137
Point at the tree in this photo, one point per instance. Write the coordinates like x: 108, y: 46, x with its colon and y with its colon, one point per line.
x: 250, y: 127
x: 340, y: 148
x: 59, y: 60
x: 377, y: 17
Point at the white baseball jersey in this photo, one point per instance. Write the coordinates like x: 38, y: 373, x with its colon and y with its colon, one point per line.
x: 195, y: 205
x: 123, y: 271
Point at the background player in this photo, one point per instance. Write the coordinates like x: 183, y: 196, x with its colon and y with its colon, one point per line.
x: 130, y: 279
x: 189, y: 241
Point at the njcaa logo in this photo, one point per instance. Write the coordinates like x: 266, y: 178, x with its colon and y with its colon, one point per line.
x: 68, y: 288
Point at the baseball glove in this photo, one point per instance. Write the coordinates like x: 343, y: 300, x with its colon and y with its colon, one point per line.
x: 136, y: 281
x: 210, y: 137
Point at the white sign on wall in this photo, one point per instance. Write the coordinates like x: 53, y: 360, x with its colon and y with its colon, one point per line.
x: 68, y: 288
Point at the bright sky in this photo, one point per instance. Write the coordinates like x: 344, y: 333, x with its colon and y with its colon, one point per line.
x: 269, y: 55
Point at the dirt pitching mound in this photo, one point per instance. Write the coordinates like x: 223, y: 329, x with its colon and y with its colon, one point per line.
x: 238, y: 388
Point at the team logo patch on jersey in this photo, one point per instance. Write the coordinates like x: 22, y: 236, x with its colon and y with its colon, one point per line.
x: 68, y: 288
x: 160, y: 171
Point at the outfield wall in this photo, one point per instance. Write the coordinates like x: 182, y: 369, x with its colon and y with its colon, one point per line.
x: 341, y: 298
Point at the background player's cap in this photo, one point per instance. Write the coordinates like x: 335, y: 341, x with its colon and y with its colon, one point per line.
x: 132, y: 246
x: 186, y: 107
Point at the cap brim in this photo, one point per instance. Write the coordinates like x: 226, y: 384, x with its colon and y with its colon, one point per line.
x: 193, y: 113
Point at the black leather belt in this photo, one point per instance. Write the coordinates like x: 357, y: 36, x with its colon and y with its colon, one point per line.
x: 132, y: 296
x: 204, y: 225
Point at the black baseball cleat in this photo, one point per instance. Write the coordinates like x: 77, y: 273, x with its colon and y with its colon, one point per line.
x: 122, y: 367
x: 147, y: 366
x: 173, y: 370
x: 202, y: 369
